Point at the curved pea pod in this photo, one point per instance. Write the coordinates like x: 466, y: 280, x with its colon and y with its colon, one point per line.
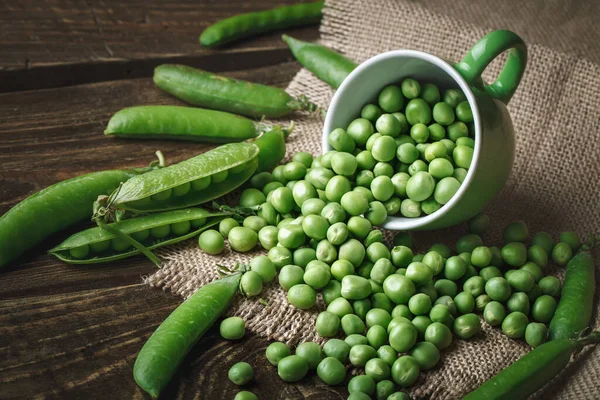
x: 190, y: 182
x: 576, y: 305
x: 182, y: 123
x: 329, y: 66
x: 249, y: 24
x: 207, y: 90
x: 532, y: 371
x: 52, y: 210
x: 98, y: 244
x: 169, y: 344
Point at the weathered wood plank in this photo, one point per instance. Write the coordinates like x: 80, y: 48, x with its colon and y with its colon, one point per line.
x: 65, y: 42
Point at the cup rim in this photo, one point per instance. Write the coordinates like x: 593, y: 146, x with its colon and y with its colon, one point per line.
x: 403, y: 223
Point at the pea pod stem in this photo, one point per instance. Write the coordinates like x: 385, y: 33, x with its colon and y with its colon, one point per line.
x: 249, y: 24
x: 532, y: 371
x: 164, y: 351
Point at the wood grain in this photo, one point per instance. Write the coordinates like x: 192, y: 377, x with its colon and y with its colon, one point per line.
x: 56, y: 43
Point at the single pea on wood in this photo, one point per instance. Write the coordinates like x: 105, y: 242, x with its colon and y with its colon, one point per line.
x: 216, y: 92
x: 96, y: 245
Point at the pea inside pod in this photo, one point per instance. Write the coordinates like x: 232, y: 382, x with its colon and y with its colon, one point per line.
x: 96, y: 245
x: 190, y: 182
x: 182, y: 123
x: 204, y: 89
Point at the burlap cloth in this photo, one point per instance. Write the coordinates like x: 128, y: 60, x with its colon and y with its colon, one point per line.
x: 554, y: 186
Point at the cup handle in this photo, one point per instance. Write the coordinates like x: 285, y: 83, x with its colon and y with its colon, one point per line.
x: 484, y: 52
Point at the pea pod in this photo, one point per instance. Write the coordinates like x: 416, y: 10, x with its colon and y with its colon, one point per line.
x: 167, y: 347
x: 182, y: 123
x: 329, y: 66
x: 199, y: 179
x: 52, y: 210
x: 207, y: 90
x: 576, y: 305
x: 249, y: 24
x: 99, y: 244
x: 532, y: 371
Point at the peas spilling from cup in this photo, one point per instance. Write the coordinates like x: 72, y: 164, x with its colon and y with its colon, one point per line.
x: 412, y: 149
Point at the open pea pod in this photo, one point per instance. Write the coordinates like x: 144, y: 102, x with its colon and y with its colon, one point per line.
x: 191, y: 182
x: 97, y: 245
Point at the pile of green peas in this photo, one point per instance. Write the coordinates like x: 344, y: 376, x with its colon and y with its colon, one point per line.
x: 395, y: 310
x: 412, y: 149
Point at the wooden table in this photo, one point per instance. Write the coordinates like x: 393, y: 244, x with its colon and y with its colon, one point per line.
x: 65, y: 68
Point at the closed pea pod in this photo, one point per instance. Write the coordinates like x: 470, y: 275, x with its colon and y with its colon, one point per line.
x: 205, y: 89
x: 182, y: 123
x: 52, y: 210
x: 327, y: 65
x: 167, y: 347
x: 249, y: 24
x: 144, y: 229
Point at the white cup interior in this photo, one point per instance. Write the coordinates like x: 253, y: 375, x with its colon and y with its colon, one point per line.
x: 363, y: 85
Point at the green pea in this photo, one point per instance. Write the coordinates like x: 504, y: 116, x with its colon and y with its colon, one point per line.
x: 377, y: 336
x: 341, y: 307
x: 241, y: 373
x: 418, y: 111
x: 453, y: 97
x: 419, y: 304
x: 544, y: 240
x: 401, y: 256
x: 494, y: 313
x: 426, y: 355
x: 360, y: 354
x: 463, y: 112
x: 352, y: 250
x: 267, y: 237
x: 521, y: 281
x: 331, y: 291
x: 364, y: 178
x: 474, y: 285
x: 245, y: 395
x: 252, y: 197
x: 405, y: 371
x: 312, y: 207
x: 440, y: 313
x: 276, y: 352
x: 337, y: 349
x: 81, y: 251
x: 259, y: 180
x: 466, y: 326
x: 341, y: 141
x: 561, y: 253
x: 99, y: 247
x: 498, y: 289
x: 242, y: 239
x: 439, y: 335
x: 457, y: 130
x: 219, y: 176
x: 448, y: 302
x: 403, y: 336
x: 201, y: 183
x: 481, y: 301
x: 399, y: 288
x: 443, y: 114
x: 292, y: 368
x: 254, y: 223
x: 446, y: 287
x: 536, y: 334
x: 455, y: 268
x: 355, y: 340
x: 371, y: 112
x: 514, y: 325
x: 377, y: 316
x: 384, y: 388
x: 543, y: 309
x: 518, y: 302
x: 211, y: 242
x: 270, y: 187
x: 410, y: 208
x: 360, y: 130
x: 420, y: 133
x: 162, y: 196
x: 311, y: 352
x: 572, y: 239
x: 515, y: 232
x: 488, y: 273
x: 290, y: 275
x: 514, y: 254
x: 381, y: 270
x: 550, y: 286
x: 232, y: 328
x: 375, y: 236
x: 331, y: 371
x: 445, y: 189
x: 302, y: 296
x: 391, y: 99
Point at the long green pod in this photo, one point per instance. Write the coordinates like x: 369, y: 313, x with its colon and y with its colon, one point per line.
x: 190, y: 182
x: 249, y: 24
x: 99, y: 244
x: 216, y: 92
x: 52, y: 210
x: 532, y: 371
x: 328, y: 65
x: 576, y: 304
x: 182, y: 123
x: 167, y: 347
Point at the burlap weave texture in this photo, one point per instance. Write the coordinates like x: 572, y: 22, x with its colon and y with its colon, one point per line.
x: 554, y: 186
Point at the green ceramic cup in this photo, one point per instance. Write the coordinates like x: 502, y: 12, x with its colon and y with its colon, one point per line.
x: 494, y: 134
